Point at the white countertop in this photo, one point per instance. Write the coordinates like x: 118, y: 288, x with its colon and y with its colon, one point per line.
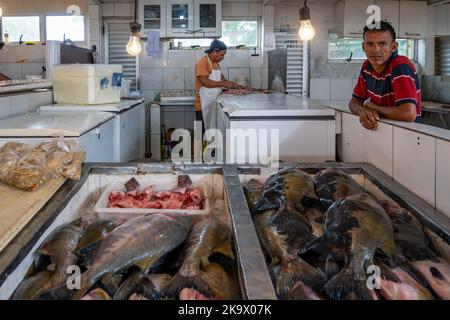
x: 272, y: 105
x: 36, y: 124
x: 124, y: 104
x: 414, y: 126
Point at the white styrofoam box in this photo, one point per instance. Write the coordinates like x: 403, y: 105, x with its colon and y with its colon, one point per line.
x: 239, y: 73
x: 378, y: 147
x: 31, y: 69
x: 173, y: 78
x: 189, y: 118
x: 189, y: 78
x: 94, y: 11
x: 237, y: 59
x: 255, y: 9
x: 20, y: 104
x: 173, y: 119
x: 240, y: 9
x: 256, y: 61
x: 152, y: 78
x: 5, y: 107
x: 320, y: 89
x: 268, y: 15
x: 94, y: 30
x: 86, y: 83
x: 341, y: 89
x: 443, y: 176
x: 123, y: 9
x: 107, y: 9
x: 410, y: 149
x: 181, y: 58
x: 255, y: 78
x: 226, y: 10
x: 13, y: 70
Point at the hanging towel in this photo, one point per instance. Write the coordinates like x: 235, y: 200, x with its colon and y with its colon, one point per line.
x: 153, y: 44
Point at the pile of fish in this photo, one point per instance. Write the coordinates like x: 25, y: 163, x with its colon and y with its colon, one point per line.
x: 325, y: 237
x: 149, y: 257
x: 245, y: 91
x: 183, y: 197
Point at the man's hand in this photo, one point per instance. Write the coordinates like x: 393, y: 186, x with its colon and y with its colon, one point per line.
x: 369, y: 118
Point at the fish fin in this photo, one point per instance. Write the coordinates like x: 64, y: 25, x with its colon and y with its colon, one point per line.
x: 314, y: 203
x: 178, y: 283
x: 226, y: 250
x: 145, y: 264
x: 184, y: 181
x: 316, y: 245
x: 137, y: 283
x: 409, y: 268
x: 265, y: 204
x: 387, y: 273
x: 298, y: 270
x: 344, y: 285
x: 331, y: 268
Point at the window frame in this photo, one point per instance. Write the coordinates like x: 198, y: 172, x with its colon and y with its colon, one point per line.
x: 58, y: 14
x: 23, y: 15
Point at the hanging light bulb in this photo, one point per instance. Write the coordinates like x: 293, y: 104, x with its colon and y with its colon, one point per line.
x: 306, y: 31
x: 134, y: 44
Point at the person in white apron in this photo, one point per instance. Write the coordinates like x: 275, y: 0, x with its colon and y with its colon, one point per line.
x: 210, y: 82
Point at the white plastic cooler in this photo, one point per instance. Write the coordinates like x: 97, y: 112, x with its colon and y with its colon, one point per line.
x: 87, y: 84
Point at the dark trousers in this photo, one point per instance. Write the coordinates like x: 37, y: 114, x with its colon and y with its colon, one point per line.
x: 199, y: 117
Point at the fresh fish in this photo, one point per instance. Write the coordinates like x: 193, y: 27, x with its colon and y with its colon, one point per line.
x: 405, y: 289
x: 253, y: 191
x: 111, y: 283
x: 315, y: 218
x: 332, y: 184
x: 281, y: 239
x: 93, y: 234
x: 300, y: 291
x: 139, y: 241
x: 286, y: 190
x: 355, y: 227
x: 207, y: 236
x: 138, y: 283
x: 136, y: 296
x: 30, y: 286
x: 132, y: 185
x: 160, y: 280
x: 192, y: 294
x: 409, y: 236
x: 60, y: 245
x: 97, y: 294
x: 437, y: 276
x: 441, y: 247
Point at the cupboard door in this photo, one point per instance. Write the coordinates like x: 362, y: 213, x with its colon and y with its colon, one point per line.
x: 351, y: 146
x: 414, y: 163
x: 152, y: 15
x: 441, y: 20
x: 390, y: 10
x: 352, y: 17
x: 208, y: 18
x: 378, y: 147
x: 443, y: 176
x: 180, y: 18
x: 413, y: 20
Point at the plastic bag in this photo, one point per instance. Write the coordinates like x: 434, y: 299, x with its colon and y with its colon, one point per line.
x: 28, y: 168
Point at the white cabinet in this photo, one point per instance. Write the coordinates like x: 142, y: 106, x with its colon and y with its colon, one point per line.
x: 350, y: 142
x: 378, y: 147
x: 390, y: 11
x: 180, y: 18
x: 441, y: 17
x: 99, y: 143
x: 351, y: 17
x: 414, y: 163
x: 413, y: 19
x: 443, y: 176
x: 152, y: 16
x: 207, y: 18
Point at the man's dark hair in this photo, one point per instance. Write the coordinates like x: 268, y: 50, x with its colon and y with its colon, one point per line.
x: 384, y: 26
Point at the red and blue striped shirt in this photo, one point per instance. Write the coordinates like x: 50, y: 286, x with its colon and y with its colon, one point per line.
x: 397, y: 84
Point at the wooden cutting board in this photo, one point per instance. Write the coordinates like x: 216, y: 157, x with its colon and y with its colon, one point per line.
x: 18, y: 207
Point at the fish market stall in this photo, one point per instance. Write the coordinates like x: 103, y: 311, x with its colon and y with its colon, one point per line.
x: 115, y: 192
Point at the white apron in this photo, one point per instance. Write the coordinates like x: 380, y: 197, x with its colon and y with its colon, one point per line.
x: 208, y: 98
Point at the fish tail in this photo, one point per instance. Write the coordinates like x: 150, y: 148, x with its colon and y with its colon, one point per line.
x: 139, y: 284
x: 345, y: 285
x: 408, y: 267
x: 264, y: 204
x: 179, y: 282
x: 298, y: 270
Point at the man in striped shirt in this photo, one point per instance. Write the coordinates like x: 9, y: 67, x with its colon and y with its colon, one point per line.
x: 388, y: 81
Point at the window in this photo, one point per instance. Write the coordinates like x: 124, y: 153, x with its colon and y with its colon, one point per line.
x: 234, y: 33
x: 72, y: 27
x: 28, y: 26
x: 342, y: 48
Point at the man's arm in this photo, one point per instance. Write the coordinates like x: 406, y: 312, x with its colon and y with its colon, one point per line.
x: 367, y: 117
x: 403, y: 112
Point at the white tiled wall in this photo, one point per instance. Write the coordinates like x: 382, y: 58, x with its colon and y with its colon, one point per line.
x: 336, y: 91
x: 15, y: 105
